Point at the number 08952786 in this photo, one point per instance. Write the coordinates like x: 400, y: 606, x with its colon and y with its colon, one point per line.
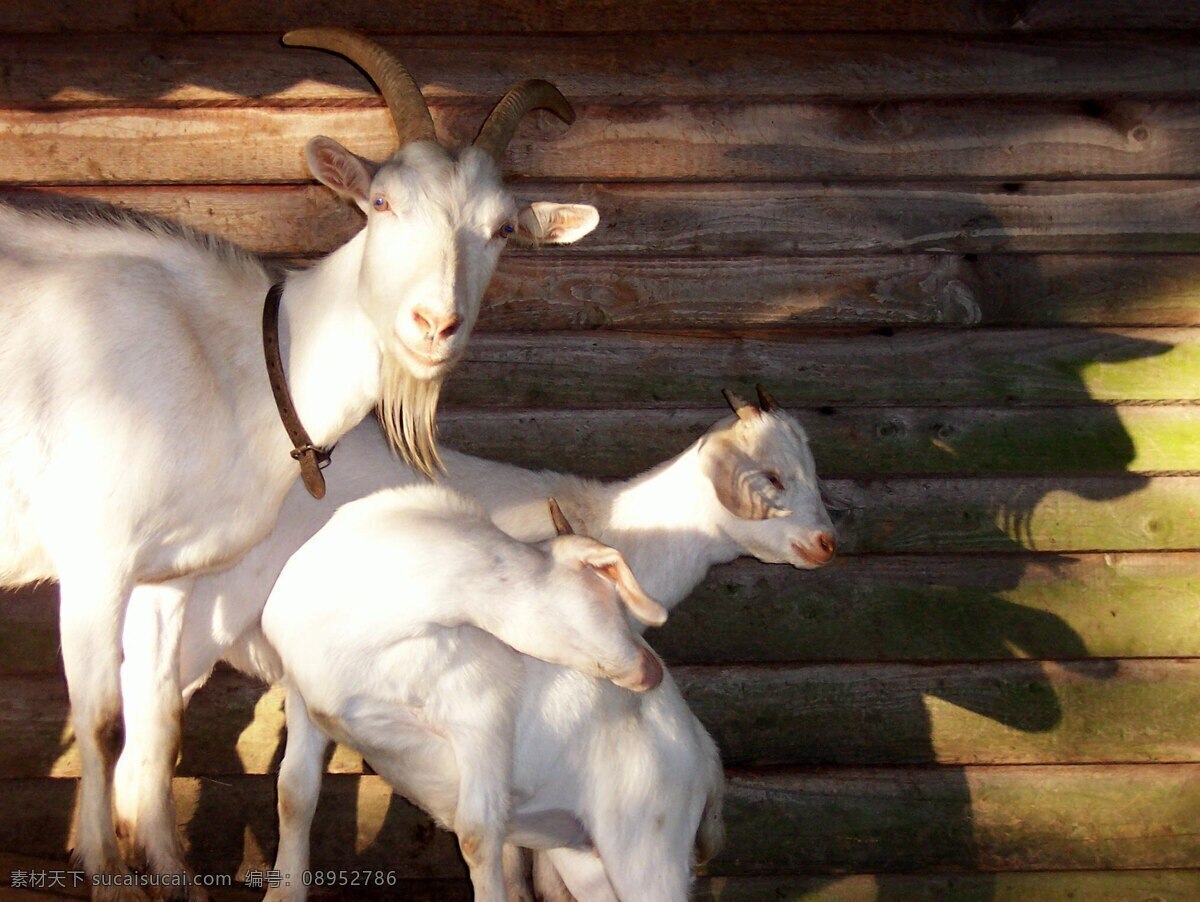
x: 349, y: 878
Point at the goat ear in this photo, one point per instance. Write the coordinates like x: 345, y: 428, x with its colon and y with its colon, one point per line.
x: 547, y: 223
x: 609, y: 563
x: 833, y: 500
x: 335, y: 167
x: 741, y: 488
x: 562, y: 525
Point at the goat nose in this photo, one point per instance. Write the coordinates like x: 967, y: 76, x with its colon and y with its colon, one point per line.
x: 646, y: 674
x: 436, y: 327
x: 827, y: 544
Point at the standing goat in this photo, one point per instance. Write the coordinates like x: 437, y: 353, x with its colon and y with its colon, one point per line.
x: 368, y: 619
x: 139, y: 439
x: 748, y: 486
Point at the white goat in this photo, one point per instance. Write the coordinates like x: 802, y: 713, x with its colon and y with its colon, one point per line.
x: 139, y: 440
x: 748, y: 486
x: 367, y: 618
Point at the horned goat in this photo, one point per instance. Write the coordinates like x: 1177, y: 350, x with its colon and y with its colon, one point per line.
x: 139, y: 439
x: 494, y: 745
x: 747, y: 486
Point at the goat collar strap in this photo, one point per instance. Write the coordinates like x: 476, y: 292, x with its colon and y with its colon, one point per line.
x: 312, y: 459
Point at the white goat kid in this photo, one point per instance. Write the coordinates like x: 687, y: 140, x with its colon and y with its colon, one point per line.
x: 139, y: 441
x: 748, y: 486
x: 369, y: 619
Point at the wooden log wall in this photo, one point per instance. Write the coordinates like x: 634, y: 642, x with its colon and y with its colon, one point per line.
x: 958, y: 238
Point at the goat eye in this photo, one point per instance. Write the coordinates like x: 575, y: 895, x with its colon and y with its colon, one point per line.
x: 380, y: 203
x: 506, y: 231
x: 774, y: 479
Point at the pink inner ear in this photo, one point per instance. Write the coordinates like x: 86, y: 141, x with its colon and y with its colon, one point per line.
x: 339, y: 169
x: 641, y: 605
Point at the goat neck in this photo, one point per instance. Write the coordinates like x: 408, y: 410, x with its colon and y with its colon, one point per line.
x: 329, y: 345
x: 663, y: 521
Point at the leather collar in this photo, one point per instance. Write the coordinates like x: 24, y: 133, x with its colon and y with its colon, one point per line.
x: 311, y: 458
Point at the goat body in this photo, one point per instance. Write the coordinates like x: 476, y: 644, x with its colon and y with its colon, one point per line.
x: 139, y: 440
x: 671, y: 523
x: 378, y: 656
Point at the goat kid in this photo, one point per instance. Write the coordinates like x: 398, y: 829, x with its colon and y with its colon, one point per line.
x: 748, y: 486
x: 393, y: 651
x: 139, y: 440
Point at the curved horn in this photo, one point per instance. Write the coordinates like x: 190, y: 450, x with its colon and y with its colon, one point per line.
x: 404, y: 99
x: 744, y: 409
x: 562, y: 525
x: 499, y: 127
x: 765, y: 401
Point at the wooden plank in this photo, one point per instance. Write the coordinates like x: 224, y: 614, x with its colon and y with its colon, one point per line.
x: 922, y: 367
x: 939, y: 608
x: 1005, y: 712
x: 853, y: 442
x: 509, y: 16
x: 561, y: 291
x: 830, y: 821
x: 867, y: 609
x: 1094, y: 886
x: 45, y: 70
x: 577, y: 289
x: 735, y: 220
x: 1012, y: 712
x: 729, y: 140
x: 991, y: 818
x: 1130, y: 513
x: 565, y: 292
x: 29, y: 629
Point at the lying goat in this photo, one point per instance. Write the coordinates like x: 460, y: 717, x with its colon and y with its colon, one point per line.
x: 747, y: 486
x: 368, y: 619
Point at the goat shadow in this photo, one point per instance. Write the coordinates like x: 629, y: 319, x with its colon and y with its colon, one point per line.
x: 924, y: 826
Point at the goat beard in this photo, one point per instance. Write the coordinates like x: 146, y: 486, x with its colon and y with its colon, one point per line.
x: 408, y: 411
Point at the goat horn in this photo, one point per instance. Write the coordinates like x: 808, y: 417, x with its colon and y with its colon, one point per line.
x: 744, y: 409
x: 404, y: 99
x: 562, y: 525
x: 765, y: 401
x: 499, y: 127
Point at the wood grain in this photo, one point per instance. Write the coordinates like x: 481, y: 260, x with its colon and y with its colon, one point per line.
x: 857, y: 442
x: 649, y: 220
x: 1097, y: 886
x: 509, y: 16
x: 875, y: 608
x: 852, y: 820
x: 906, y: 367
x: 931, y: 608
x: 1006, y: 712
x: 728, y: 140
x: 43, y: 71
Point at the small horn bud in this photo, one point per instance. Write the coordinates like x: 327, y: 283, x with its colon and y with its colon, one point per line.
x: 765, y: 401
x: 562, y: 525
x: 744, y: 409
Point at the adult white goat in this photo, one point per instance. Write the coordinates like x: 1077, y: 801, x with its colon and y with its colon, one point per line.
x: 748, y: 486
x: 139, y: 440
x: 494, y: 745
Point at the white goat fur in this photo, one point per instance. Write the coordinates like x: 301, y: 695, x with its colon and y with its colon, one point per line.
x: 491, y: 743
x: 668, y: 522
x: 139, y: 441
